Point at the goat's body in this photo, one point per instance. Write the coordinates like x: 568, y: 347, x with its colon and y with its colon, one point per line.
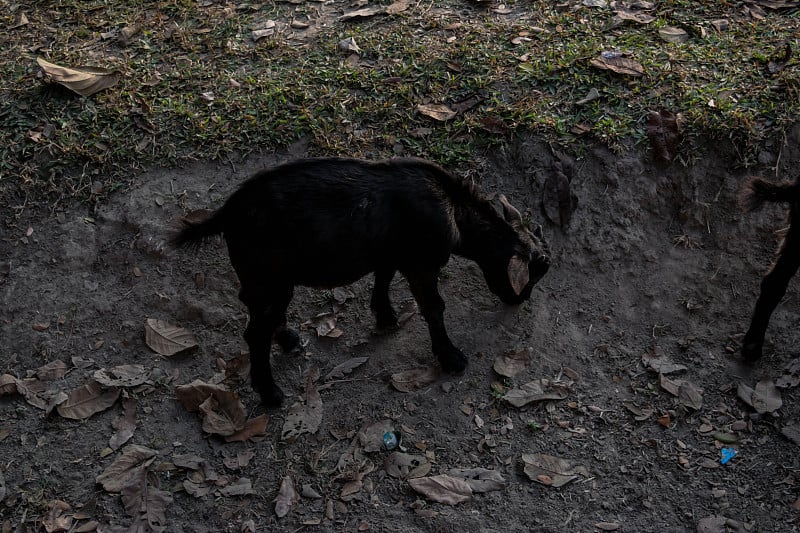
x: 348, y: 231
x: 329, y: 222
x: 775, y: 282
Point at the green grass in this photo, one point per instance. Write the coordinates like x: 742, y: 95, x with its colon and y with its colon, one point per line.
x: 196, y: 86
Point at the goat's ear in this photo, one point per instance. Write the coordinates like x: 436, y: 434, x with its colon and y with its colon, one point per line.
x: 518, y: 274
x: 510, y: 212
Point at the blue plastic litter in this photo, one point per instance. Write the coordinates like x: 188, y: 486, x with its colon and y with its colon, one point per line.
x: 727, y: 455
x: 390, y: 441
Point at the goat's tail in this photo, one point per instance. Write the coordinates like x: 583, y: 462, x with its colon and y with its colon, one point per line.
x: 193, y: 233
x: 756, y: 191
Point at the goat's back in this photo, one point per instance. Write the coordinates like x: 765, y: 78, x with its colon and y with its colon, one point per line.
x: 326, y: 222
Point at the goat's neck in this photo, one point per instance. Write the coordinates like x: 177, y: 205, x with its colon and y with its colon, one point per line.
x: 476, y: 234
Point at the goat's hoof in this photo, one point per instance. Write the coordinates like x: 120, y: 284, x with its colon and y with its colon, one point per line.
x: 386, y: 321
x: 272, y: 397
x: 751, y: 351
x: 454, y: 362
x: 287, y: 339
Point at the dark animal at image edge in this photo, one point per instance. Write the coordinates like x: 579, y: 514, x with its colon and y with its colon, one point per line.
x: 753, y: 195
x: 328, y: 222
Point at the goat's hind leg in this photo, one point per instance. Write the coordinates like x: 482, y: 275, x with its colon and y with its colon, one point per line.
x: 381, y: 305
x: 773, y: 288
x: 426, y: 292
x: 267, y: 308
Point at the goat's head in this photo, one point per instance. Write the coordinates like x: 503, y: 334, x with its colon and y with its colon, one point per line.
x: 519, y: 259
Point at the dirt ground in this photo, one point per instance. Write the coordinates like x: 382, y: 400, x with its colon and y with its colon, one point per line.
x: 657, y: 259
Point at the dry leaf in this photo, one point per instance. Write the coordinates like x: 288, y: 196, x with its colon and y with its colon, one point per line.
x: 120, y: 473
x: 663, y: 131
x: 166, y: 339
x: 396, y: 7
x: 551, y: 470
x: 673, y: 35
x: 625, y: 13
x: 287, y: 497
x: 363, y: 13
x: 619, y: 64
x: 349, y: 45
x: 305, y: 416
x: 370, y: 437
x: 414, y: 379
x: 765, y: 398
x: 52, y: 371
x: 325, y: 325
x: 406, y: 466
x: 513, y: 362
x: 85, y: 401
x: 241, y: 487
x: 253, y: 428
x: 480, y: 479
x: 442, y: 489
x: 535, y: 391
x: 780, y: 58
x: 85, y: 81
x: 122, y: 376
x: 656, y: 361
x: 224, y: 414
x: 343, y: 369
x: 790, y: 377
x: 196, y: 392
x: 8, y: 385
x: 144, y: 501
x: 125, y: 424
x: 557, y: 197
x: 686, y: 391
x: 56, y: 519
x: 438, y: 112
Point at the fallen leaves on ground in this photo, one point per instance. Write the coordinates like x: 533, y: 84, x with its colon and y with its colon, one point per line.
x: 167, y: 339
x: 122, y: 376
x: 85, y: 81
x: 764, y: 398
x: 619, y: 64
x: 88, y: 400
x: 536, y: 391
x: 406, y: 466
x: 439, y: 112
x: 304, y: 416
x: 512, y: 362
x: 145, y: 502
x: 125, y: 467
x: 655, y: 360
x: 480, y: 479
x: 325, y: 325
x: 557, y: 199
x: 551, y: 470
x: 286, y: 497
x: 663, y: 130
x: 254, y: 429
x: 124, y: 424
x: 414, y: 379
x: 52, y: 371
x: 223, y: 412
x: 687, y: 392
x: 343, y: 369
x: 442, y: 489
x: 56, y: 518
x: 371, y: 436
x: 673, y: 35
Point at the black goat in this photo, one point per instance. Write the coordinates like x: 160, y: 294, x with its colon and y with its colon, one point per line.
x: 329, y: 222
x: 753, y: 195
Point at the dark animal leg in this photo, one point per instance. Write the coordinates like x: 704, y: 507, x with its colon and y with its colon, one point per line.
x: 267, y: 309
x: 424, y: 287
x: 287, y: 338
x: 385, y: 315
x: 773, y: 287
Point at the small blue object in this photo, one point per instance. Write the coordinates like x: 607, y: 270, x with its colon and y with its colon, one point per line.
x: 390, y: 440
x: 610, y: 55
x: 727, y: 455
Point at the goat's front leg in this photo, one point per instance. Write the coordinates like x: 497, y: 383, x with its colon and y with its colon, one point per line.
x: 267, y: 310
x: 773, y: 287
x: 425, y: 290
x: 381, y: 305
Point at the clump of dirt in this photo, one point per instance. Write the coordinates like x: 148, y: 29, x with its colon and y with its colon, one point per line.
x: 620, y: 406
